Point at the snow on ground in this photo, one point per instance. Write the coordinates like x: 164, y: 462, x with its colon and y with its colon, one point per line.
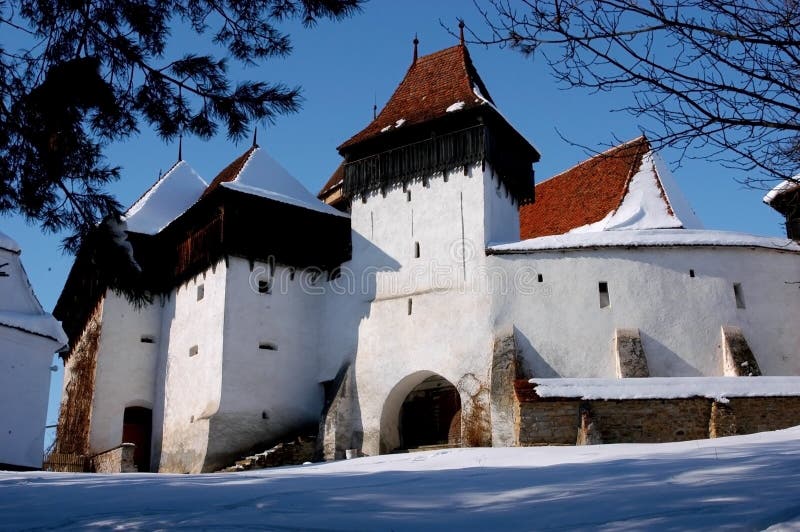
x: 740, y: 483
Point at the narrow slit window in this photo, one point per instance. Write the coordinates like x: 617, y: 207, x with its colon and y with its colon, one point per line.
x: 605, y: 301
x: 540, y: 278
x: 201, y: 291
x: 409, y: 306
x: 691, y: 273
x: 408, y: 195
x: 194, y: 351
x: 267, y: 346
x: 291, y: 274
x: 737, y: 293
x: 264, y: 286
x: 147, y: 339
x: 416, y: 250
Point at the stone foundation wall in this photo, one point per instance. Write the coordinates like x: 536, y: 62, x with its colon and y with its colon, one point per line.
x: 117, y: 460
x: 557, y: 421
x: 758, y: 414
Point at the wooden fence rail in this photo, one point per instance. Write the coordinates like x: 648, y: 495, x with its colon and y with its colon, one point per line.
x: 66, y: 463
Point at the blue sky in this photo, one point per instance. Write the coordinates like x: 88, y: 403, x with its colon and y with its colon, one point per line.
x: 343, y: 67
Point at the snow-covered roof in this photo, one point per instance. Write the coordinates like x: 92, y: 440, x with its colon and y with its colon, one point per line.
x: 6, y: 242
x: 625, y: 188
x: 668, y: 387
x: 19, y: 307
x: 624, y: 197
x: 39, y: 324
x: 167, y: 199
x: 782, y: 188
x: 646, y: 238
x: 261, y: 175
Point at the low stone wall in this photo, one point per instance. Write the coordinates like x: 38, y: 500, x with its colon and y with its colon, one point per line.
x: 556, y: 421
x: 116, y: 460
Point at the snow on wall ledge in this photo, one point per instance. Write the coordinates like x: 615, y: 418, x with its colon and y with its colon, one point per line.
x: 41, y: 324
x: 646, y: 238
x: 718, y: 388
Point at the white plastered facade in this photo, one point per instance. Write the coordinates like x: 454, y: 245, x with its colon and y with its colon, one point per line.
x: 399, y: 318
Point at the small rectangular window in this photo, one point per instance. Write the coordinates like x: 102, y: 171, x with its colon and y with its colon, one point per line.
x: 605, y: 301
x: 193, y: 351
x: 416, y: 250
x: 540, y: 278
x: 201, y: 291
x: 408, y: 195
x: 264, y: 286
x: 691, y: 273
x: 145, y: 339
x: 409, y: 306
x: 266, y: 346
x: 737, y: 293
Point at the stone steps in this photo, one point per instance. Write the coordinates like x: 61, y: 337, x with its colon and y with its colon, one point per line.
x: 295, y: 452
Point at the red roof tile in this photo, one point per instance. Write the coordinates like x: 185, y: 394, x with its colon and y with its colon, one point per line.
x: 230, y: 172
x: 335, y: 180
x: 432, y: 84
x: 584, y: 194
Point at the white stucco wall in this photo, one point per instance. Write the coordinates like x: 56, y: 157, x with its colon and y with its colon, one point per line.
x: 192, y: 384
x: 24, y: 386
x: 563, y: 332
x: 449, y: 331
x: 267, y: 394
x: 126, y: 367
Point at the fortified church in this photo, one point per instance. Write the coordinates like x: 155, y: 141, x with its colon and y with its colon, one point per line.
x: 429, y: 295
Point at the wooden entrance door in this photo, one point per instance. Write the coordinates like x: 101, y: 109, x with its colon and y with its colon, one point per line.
x: 137, y: 428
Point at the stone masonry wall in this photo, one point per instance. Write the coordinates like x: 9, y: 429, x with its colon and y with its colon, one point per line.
x: 757, y: 414
x: 116, y: 460
x: 556, y: 421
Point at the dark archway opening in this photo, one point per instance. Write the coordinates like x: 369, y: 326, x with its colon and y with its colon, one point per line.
x: 137, y: 428
x: 431, y: 415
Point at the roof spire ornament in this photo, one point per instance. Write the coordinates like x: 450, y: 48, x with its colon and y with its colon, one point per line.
x: 255, y: 137
x: 416, y: 42
x: 374, y: 107
x: 461, y: 30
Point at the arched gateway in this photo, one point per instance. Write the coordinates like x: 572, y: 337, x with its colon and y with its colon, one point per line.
x: 422, y: 409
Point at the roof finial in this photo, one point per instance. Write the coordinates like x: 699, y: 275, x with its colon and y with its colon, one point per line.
x: 180, y: 147
x: 461, y: 29
x: 255, y: 137
x: 374, y: 106
x: 416, y: 42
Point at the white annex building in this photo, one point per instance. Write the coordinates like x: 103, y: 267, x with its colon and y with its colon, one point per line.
x: 28, y: 338
x: 403, y: 309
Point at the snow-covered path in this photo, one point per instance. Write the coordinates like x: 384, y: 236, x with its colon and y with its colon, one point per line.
x: 741, y: 483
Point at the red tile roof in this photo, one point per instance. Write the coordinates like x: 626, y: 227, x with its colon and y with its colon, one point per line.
x: 432, y: 84
x: 584, y: 194
x: 230, y: 172
x: 335, y: 180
